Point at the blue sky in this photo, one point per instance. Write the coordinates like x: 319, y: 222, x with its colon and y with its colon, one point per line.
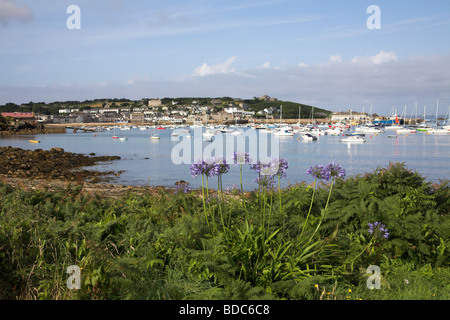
x: 314, y: 52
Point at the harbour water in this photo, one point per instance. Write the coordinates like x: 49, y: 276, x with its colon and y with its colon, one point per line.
x: 150, y: 162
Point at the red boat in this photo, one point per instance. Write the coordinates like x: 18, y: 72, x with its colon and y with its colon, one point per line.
x: 161, y: 128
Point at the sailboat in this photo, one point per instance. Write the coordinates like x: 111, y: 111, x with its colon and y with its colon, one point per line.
x: 353, y: 139
x: 114, y: 128
x: 114, y: 135
x: 154, y: 136
x: 285, y: 130
x: 439, y: 131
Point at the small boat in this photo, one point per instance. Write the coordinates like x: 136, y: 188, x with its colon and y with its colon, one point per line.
x: 285, y: 131
x: 308, y: 137
x: 161, y: 128
x: 392, y: 136
x: 405, y: 131
x: 353, y: 139
x: 393, y: 127
x: 123, y: 138
x: 367, y: 129
x: 115, y: 137
x: 33, y: 141
x: 208, y: 134
x: 439, y: 131
x: 156, y: 137
x: 333, y: 131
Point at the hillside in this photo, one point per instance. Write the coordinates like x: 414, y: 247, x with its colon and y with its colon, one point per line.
x: 290, y: 109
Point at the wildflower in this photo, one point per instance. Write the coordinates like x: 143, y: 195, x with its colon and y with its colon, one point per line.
x: 282, y: 165
x: 331, y: 170
x: 276, y: 167
x: 266, y: 181
x: 334, y: 170
x: 316, y: 171
x: 182, y: 187
x: 202, y: 167
x: 221, y: 166
x: 241, y: 158
x: 378, y: 229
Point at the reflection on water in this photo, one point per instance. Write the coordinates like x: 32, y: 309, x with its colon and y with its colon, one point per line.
x: 148, y: 162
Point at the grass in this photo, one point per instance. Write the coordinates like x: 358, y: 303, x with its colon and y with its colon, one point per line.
x: 297, y: 243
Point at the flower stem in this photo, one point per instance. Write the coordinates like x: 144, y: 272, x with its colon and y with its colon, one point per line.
x: 204, y: 203
x: 310, y: 207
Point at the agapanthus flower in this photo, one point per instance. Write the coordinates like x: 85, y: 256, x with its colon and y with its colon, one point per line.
x: 266, y: 181
x: 183, y: 187
x: 331, y: 170
x: 316, y: 172
x: 241, y: 158
x: 378, y: 229
x: 221, y: 166
x: 283, y: 165
x: 272, y: 168
x: 335, y: 170
x: 202, y: 167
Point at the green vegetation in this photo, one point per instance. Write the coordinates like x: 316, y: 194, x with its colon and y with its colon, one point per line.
x: 302, y: 242
x: 290, y: 109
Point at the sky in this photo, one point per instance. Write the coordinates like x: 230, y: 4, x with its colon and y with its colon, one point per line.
x: 323, y: 53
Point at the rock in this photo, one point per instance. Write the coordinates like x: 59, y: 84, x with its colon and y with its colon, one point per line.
x: 56, y: 149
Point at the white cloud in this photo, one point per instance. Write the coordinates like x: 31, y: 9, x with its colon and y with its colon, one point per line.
x: 9, y: 11
x: 333, y: 86
x: 224, y: 67
x: 302, y: 65
x: 137, y: 79
x: 266, y: 65
x: 379, y: 58
x: 336, y: 58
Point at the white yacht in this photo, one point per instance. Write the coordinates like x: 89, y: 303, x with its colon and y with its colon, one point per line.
x: 353, y: 139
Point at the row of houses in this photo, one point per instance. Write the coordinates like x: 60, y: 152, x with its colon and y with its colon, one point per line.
x: 154, y: 112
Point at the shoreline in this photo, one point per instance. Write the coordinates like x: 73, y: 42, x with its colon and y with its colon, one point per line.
x: 106, y: 190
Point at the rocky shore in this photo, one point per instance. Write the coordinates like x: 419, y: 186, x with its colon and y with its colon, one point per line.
x: 56, y: 169
x: 27, y: 129
x: 51, y: 164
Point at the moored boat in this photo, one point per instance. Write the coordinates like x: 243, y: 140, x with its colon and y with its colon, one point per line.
x: 353, y: 139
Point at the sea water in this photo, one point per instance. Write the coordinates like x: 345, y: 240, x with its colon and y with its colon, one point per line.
x: 150, y: 162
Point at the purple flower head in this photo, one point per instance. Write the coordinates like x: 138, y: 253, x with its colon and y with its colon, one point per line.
x: 378, y: 229
x: 335, y: 170
x: 316, y: 172
x: 182, y: 187
x: 241, y: 158
x: 272, y: 168
x: 282, y: 165
x: 221, y: 166
x: 265, y: 181
x: 207, y: 168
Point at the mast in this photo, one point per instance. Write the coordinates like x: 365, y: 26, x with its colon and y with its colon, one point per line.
x: 437, y: 107
x: 424, y: 113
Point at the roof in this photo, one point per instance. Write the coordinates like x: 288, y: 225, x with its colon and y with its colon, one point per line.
x: 22, y: 115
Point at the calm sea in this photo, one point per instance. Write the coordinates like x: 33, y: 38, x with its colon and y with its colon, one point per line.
x: 149, y: 162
